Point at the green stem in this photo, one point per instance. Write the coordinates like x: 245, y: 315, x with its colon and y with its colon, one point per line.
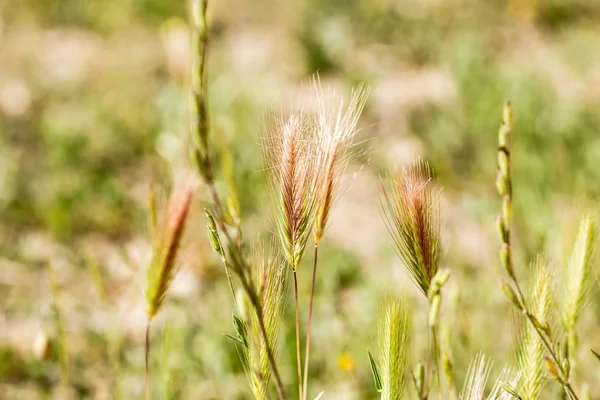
x: 298, y: 357
x: 436, y: 355
x: 148, y: 360
x: 308, y: 325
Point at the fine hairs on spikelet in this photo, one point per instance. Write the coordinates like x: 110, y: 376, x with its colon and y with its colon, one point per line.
x: 336, y: 128
x: 167, y: 243
x: 395, y: 327
x: 531, y: 348
x: 270, y: 278
x: 289, y: 149
x: 411, y: 203
x: 577, y: 273
x: 477, y: 377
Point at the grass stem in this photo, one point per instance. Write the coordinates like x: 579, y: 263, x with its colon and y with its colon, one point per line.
x: 436, y: 355
x: 148, y: 360
x: 298, y: 356
x: 308, y: 325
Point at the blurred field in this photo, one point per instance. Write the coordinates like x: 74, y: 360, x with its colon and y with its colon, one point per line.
x: 93, y: 110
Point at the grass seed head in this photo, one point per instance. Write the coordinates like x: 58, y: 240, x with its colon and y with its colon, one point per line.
x: 289, y: 155
x: 336, y: 128
x: 270, y: 278
x: 395, y: 327
x: 531, y: 348
x: 411, y: 203
x: 164, y: 260
x: 577, y: 271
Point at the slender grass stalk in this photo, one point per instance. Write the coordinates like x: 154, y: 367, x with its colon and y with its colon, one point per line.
x: 201, y: 155
x: 513, y: 289
x: 436, y: 358
x: 336, y: 128
x: 298, y: 350
x: 411, y: 204
x: 293, y: 178
x: 309, y: 322
x: 164, y: 262
x: 435, y: 302
x: 60, y: 328
x: 147, y: 358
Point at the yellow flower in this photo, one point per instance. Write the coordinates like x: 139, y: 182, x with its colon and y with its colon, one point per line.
x: 346, y: 362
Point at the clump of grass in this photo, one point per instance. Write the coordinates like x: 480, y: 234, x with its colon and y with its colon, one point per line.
x: 163, y: 266
x: 531, y: 349
x: 224, y: 216
x: 394, y: 343
x: 412, y: 211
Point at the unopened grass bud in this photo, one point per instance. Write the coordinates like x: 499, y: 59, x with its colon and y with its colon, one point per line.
x: 506, y: 260
x: 213, y: 235
x: 552, y: 368
x: 507, y: 114
x: 501, y: 184
x: 510, y: 293
x: 419, y: 377
x: 566, y: 368
x: 506, y: 210
x: 240, y: 330
x: 501, y: 228
x: 503, y: 163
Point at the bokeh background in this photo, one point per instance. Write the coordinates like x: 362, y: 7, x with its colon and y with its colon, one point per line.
x: 94, y: 110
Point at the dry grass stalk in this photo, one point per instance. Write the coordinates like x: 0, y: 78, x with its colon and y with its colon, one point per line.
x: 336, y: 127
x: 532, y: 350
x: 412, y: 210
x: 394, y: 341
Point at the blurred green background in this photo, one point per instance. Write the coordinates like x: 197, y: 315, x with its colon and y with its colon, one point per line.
x: 93, y: 111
